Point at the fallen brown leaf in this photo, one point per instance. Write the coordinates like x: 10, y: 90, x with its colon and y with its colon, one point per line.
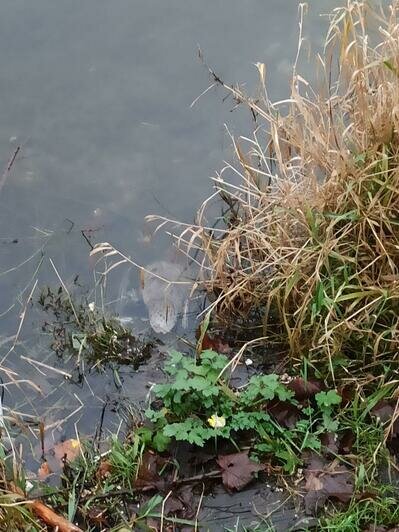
x: 326, y: 480
x: 384, y: 410
x: 68, y: 449
x: 148, y: 472
x: 346, y: 442
x: 304, y: 389
x: 286, y: 414
x: 97, y: 515
x: 216, y: 343
x: 44, y: 471
x: 329, y: 441
x: 104, y: 469
x: 347, y: 393
x: 237, y: 470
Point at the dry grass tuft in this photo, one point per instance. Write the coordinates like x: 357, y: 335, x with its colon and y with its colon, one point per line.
x: 311, y: 241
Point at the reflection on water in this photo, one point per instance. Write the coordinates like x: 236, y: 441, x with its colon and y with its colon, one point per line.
x: 98, y: 95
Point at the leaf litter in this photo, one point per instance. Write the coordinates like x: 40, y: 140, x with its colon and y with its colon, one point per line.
x: 238, y: 470
x: 325, y: 481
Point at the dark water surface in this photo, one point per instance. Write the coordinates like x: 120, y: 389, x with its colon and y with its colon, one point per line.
x: 97, y: 93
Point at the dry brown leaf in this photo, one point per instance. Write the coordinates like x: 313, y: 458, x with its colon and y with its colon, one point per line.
x: 97, y: 515
x: 104, y: 469
x: 346, y: 442
x: 44, y: 471
x: 304, y: 389
x: 286, y: 414
x: 216, y: 343
x: 329, y: 442
x: 384, y: 410
x: 148, y: 472
x: 326, y: 480
x: 237, y: 470
x: 68, y: 449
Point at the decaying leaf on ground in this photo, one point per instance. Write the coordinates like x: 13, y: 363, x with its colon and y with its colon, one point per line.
x: 215, y: 343
x: 326, y: 480
x: 67, y: 450
x: 44, y: 471
x: 238, y: 470
x: 305, y: 389
x: 56, y: 456
x: 387, y: 411
x: 285, y: 413
x: 97, y: 516
x: 104, y: 469
x: 148, y: 472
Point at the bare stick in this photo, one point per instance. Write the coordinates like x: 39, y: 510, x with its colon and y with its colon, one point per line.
x: 9, y: 166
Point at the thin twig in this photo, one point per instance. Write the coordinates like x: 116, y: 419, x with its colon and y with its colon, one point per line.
x: 9, y: 166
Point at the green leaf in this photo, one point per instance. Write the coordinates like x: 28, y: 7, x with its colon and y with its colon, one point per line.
x: 177, y: 430
x: 203, y: 328
x: 248, y: 420
x: 161, y: 390
x: 199, y: 383
x: 265, y: 387
x: 264, y: 447
x: 155, y: 415
x: 195, y: 437
x: 311, y: 442
x: 329, y: 424
x: 211, y: 391
x: 173, y: 362
x: 145, y: 434
x: 161, y: 442
x: 214, y: 360
x: 328, y: 399
x: 289, y: 459
x: 191, y: 430
x: 284, y: 394
x: 181, y: 381
x: 390, y: 66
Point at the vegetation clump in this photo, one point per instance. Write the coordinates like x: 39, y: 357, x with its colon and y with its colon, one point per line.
x: 79, y: 328
x: 311, y: 241
x: 198, y: 406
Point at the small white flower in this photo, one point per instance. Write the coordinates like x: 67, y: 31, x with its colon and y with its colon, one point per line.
x: 249, y: 362
x: 92, y: 306
x: 217, y: 422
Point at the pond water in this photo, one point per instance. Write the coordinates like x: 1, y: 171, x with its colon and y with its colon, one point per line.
x: 97, y: 95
